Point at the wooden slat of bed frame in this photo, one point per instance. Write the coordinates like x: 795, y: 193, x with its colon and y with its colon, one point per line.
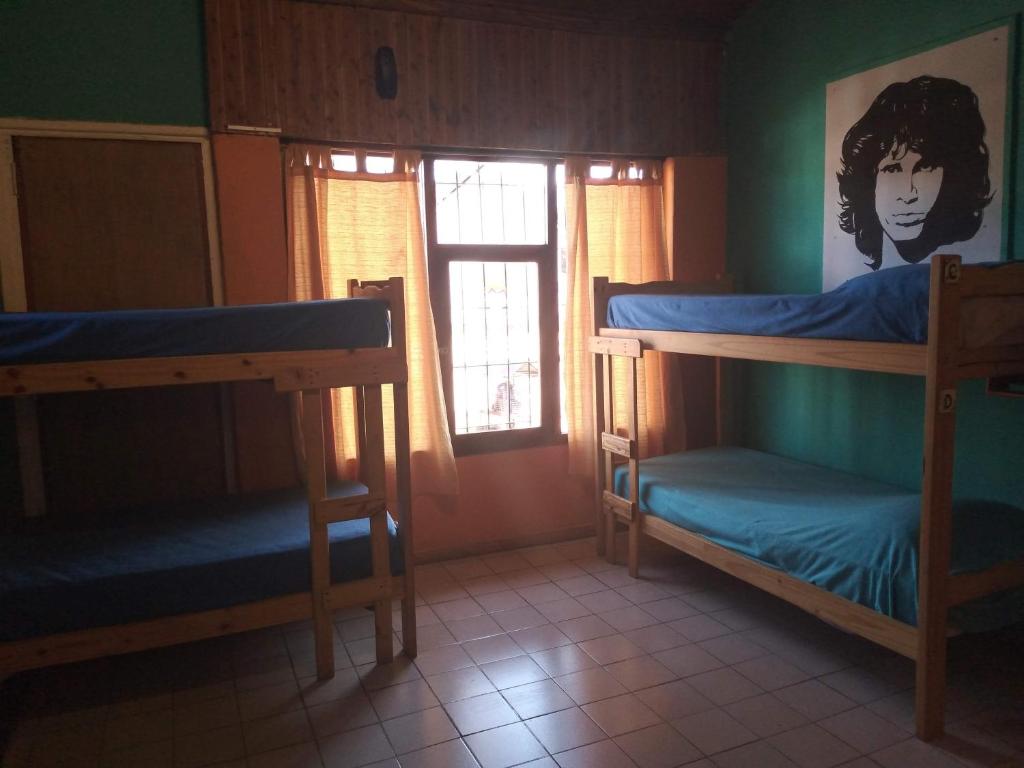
x: 86, y: 644
x: 883, y: 357
x: 886, y: 631
x: 964, y: 587
x: 291, y: 371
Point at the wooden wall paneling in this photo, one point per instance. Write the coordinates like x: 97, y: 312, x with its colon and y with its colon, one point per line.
x: 99, y: 233
x: 468, y: 129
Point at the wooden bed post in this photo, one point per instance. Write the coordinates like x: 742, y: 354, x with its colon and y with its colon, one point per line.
x: 634, y: 471
x: 599, y: 294
x: 320, y: 563
x: 609, y: 464
x: 372, y: 465
x: 937, y: 495
x: 403, y: 478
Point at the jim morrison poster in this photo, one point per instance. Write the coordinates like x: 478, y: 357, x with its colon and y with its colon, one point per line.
x: 914, y: 155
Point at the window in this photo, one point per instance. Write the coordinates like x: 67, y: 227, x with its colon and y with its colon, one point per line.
x: 497, y: 283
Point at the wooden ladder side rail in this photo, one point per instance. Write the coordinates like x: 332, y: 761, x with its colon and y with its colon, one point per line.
x: 393, y: 292
x: 371, y: 466
x: 82, y: 645
x: 937, y: 495
x: 633, y: 427
x: 599, y: 308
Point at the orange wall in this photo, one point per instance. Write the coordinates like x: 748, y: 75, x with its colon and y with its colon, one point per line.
x: 514, y: 497
x: 254, y: 258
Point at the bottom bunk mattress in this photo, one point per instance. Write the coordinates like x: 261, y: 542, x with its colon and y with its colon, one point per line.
x: 171, y: 559
x: 851, y: 536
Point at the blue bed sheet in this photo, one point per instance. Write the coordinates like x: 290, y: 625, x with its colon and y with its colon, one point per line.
x: 851, y: 536
x: 171, y: 559
x: 59, y: 337
x: 890, y: 305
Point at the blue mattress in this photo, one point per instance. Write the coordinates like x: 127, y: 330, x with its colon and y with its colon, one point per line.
x: 60, y: 337
x: 851, y: 536
x: 888, y: 305
x: 161, y: 561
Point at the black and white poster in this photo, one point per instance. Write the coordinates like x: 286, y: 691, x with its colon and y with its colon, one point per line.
x: 914, y: 159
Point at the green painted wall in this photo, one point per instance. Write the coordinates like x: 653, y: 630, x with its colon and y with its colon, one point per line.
x: 140, y: 61
x: 781, y: 54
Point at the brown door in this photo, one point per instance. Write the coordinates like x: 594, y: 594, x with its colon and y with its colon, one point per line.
x: 119, y: 224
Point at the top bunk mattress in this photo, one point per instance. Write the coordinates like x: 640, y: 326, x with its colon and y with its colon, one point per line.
x: 890, y: 306
x: 852, y: 536
x: 62, y: 337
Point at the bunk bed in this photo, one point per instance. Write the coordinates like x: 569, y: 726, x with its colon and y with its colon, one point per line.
x: 177, y: 573
x: 770, y: 521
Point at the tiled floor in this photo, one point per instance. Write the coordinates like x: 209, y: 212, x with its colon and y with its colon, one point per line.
x: 542, y: 657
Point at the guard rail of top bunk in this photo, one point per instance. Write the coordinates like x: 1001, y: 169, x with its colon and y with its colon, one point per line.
x: 975, y: 330
x: 306, y: 374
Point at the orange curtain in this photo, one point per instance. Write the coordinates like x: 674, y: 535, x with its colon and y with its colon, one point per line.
x: 615, y: 228
x: 367, y: 226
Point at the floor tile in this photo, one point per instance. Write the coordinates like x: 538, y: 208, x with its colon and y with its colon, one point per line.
x: 298, y: 756
x: 509, y: 673
x: 460, y: 684
x: 542, y: 593
x: 455, y: 609
x: 504, y: 600
x: 590, y: 685
x: 770, y: 672
x: 527, y: 577
x: 688, y: 660
x: 539, y: 638
x: 585, y: 628
x: 443, y: 659
x: 353, y: 711
x: 608, y: 600
x: 914, y: 754
x: 401, y: 670
x: 659, y: 746
x: 159, y: 754
x: 640, y: 672
x: 519, y: 618
x: 505, y: 746
x: 535, y: 699
x: 617, y: 576
x: 765, y: 715
x: 630, y: 617
x: 355, y: 748
x: 863, y: 730
x: 314, y: 691
x: 581, y: 585
x: 670, y: 609
x: 643, y: 592
x: 494, y: 648
x: 450, y: 754
x: 397, y: 700
x: 723, y: 686
x: 733, y: 649
x: 608, y: 650
x: 756, y: 755
x: 603, y: 754
x: 566, y: 729
x: 208, y: 747
x: 713, y: 731
x: 812, y: 747
x: 130, y: 730
x: 501, y: 562
x: 467, y: 568
x: 486, y: 585
x: 473, y: 628
x: 621, y: 714
x: 270, y: 700
x: 699, y: 627
x: 563, y: 610
x: 278, y: 731
x: 658, y: 637
x: 859, y: 684
x: 814, y: 700
x: 480, y: 713
x: 674, y: 700
x: 417, y: 730
x: 560, y: 571
x: 563, y: 660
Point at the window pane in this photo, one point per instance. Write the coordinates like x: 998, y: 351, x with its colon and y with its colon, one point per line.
x: 380, y: 163
x: 495, y: 345
x: 563, y: 287
x: 343, y: 161
x: 493, y: 203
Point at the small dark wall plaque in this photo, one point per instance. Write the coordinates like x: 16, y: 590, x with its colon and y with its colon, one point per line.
x: 386, y: 73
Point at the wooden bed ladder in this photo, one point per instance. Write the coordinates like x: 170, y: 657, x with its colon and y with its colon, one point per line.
x: 614, y: 508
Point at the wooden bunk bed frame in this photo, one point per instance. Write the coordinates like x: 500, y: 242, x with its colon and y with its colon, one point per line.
x: 969, y: 306
x: 307, y: 373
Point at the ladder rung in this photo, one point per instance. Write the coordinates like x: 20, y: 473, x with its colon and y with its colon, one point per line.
x: 618, y: 506
x: 345, y: 508
x: 622, y: 446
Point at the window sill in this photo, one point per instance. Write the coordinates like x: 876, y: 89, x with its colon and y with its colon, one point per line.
x: 510, y: 440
